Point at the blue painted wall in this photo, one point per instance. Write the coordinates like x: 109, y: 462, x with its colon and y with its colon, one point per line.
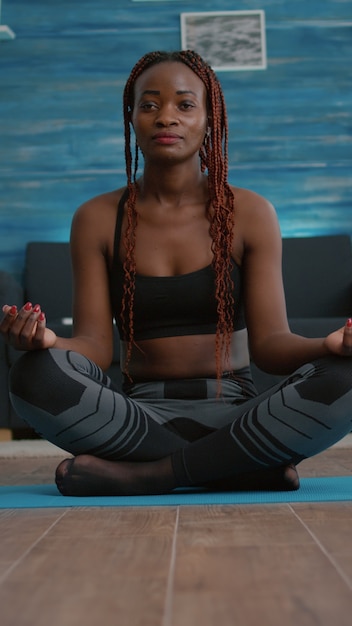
x: 61, y: 84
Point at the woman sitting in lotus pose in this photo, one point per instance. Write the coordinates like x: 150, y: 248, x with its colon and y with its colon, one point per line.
x: 190, y: 268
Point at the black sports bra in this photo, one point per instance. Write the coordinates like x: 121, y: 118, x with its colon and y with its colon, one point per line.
x: 169, y: 306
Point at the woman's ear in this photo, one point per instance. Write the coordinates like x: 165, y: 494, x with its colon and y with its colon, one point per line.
x: 130, y: 114
x: 209, y: 127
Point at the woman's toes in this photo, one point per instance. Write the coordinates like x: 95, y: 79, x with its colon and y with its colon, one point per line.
x: 62, y: 473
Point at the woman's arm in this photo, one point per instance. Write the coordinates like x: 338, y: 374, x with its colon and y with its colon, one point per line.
x: 25, y: 329
x: 272, y: 345
x: 92, y: 315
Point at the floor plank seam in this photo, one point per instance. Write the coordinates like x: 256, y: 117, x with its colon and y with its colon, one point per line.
x: 346, y: 579
x: 20, y: 560
x: 167, y: 616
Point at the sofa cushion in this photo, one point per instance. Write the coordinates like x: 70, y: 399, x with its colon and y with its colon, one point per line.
x: 317, y: 274
x: 48, y: 278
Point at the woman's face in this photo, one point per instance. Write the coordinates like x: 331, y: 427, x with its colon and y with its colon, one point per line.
x: 169, y: 114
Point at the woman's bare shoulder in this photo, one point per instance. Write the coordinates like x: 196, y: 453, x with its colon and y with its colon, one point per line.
x: 247, y: 200
x: 100, y: 205
x: 95, y: 220
x: 256, y: 225
x: 253, y: 210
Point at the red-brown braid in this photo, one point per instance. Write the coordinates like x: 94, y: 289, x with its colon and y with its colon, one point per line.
x: 220, y: 209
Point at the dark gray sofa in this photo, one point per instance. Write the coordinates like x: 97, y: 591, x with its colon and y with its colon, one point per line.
x: 318, y: 285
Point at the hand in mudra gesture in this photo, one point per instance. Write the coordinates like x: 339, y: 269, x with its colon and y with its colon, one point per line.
x: 340, y: 341
x: 25, y: 328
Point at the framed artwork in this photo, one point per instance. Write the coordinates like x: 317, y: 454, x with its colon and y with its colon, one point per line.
x: 227, y: 40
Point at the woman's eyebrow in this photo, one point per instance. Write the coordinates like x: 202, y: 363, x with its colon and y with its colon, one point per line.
x: 185, y: 91
x: 156, y: 92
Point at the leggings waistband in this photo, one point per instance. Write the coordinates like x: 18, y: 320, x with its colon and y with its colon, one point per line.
x: 194, y: 388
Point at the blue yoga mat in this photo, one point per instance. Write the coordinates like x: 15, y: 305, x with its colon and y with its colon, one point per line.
x: 327, y: 489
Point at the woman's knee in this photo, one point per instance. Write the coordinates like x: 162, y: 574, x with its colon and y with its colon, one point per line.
x: 30, y: 366
x: 43, y: 378
x: 329, y: 380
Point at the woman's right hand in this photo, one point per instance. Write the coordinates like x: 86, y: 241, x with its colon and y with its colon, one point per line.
x: 25, y: 329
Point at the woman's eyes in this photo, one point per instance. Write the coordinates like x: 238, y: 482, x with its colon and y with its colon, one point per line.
x: 187, y: 105
x: 149, y: 106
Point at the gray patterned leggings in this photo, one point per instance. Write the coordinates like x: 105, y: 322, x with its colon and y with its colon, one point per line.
x: 71, y: 402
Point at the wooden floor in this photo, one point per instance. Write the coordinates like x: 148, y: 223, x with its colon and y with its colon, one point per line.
x: 271, y: 565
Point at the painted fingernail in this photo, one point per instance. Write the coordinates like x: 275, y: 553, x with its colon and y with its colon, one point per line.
x: 41, y: 317
x: 13, y: 310
x: 28, y: 306
x: 349, y: 323
x: 36, y: 309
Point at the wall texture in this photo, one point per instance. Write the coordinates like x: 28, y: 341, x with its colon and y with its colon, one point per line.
x: 61, y: 82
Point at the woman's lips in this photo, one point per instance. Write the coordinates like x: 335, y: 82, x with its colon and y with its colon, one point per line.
x: 166, y: 138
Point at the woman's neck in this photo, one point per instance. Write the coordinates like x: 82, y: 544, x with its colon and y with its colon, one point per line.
x: 172, y: 184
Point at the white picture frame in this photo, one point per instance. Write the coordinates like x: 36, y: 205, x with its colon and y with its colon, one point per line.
x: 227, y: 40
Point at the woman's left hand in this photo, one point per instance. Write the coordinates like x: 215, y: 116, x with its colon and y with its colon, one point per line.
x: 340, y: 341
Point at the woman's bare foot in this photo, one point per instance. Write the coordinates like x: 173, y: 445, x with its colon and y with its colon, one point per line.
x: 283, y: 478
x: 87, y: 475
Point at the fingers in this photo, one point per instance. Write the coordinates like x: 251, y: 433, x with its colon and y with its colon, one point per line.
x: 10, y: 313
x: 10, y: 310
x: 23, y: 328
x: 38, y: 337
x: 347, y: 336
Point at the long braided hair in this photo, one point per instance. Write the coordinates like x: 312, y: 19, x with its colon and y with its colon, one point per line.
x: 220, y: 208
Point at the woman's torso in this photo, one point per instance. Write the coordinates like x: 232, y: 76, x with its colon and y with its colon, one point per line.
x: 175, y: 318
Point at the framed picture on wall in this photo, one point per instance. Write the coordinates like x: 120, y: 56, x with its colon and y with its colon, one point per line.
x: 228, y: 40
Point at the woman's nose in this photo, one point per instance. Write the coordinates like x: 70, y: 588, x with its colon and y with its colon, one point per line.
x: 166, y: 116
